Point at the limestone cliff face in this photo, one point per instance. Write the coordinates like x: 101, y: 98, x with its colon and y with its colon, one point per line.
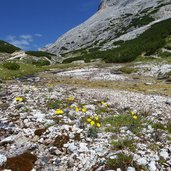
x: 114, y: 20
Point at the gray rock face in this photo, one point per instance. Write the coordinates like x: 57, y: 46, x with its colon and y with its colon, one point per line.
x: 115, y: 20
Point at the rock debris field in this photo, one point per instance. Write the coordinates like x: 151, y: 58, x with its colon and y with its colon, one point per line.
x: 62, y: 128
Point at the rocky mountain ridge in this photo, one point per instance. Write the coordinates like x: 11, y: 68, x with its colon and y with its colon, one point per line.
x: 115, y: 20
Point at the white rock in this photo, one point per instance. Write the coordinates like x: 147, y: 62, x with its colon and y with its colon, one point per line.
x: 130, y: 169
x: 118, y: 169
x: 113, y: 157
x: 152, y: 166
x: 39, y: 116
x: 72, y: 147
x: 7, y: 140
x: 65, y: 145
x: 142, y: 161
x: 3, y: 159
x: 26, y: 121
x: 65, y: 127
x: 33, y: 169
x: 84, y: 160
x: 169, y: 162
x: 83, y: 147
x: 71, y: 135
x: 163, y: 153
x: 168, y: 102
x: 49, y: 122
x: 91, y: 107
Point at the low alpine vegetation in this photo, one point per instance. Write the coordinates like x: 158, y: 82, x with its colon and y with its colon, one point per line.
x: 11, y: 65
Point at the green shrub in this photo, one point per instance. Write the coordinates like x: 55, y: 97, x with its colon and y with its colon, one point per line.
x: 141, y: 21
x: 165, y: 54
x: 11, y: 65
x: 8, y: 48
x: 87, y: 60
x: 41, y: 62
x: 69, y: 60
x: 119, y: 42
x: 40, y: 54
x: 123, y: 144
x: 166, y: 127
x: 92, y: 132
x: 54, y: 104
x: 122, y: 161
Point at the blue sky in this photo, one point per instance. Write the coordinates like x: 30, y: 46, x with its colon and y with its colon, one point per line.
x: 32, y: 24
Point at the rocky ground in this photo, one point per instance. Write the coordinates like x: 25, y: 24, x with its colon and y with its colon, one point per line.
x: 53, y: 126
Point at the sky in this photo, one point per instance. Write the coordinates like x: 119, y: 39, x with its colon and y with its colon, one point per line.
x: 32, y: 24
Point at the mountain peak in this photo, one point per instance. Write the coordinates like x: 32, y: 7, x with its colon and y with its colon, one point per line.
x: 117, y: 20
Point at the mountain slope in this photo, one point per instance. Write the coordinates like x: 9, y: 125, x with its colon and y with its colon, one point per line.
x: 115, y: 20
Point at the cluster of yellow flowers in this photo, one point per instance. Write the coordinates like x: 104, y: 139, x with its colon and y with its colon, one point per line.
x: 94, y: 121
x: 19, y: 99
x: 77, y: 109
x: 134, y: 115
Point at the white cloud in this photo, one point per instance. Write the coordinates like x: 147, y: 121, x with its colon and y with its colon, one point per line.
x: 10, y: 37
x: 27, y: 37
x: 23, y: 41
x: 38, y: 35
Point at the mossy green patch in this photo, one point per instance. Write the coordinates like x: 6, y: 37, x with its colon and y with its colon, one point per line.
x: 122, y: 161
x: 124, y: 120
x: 161, y: 126
x: 124, y: 144
x: 54, y: 104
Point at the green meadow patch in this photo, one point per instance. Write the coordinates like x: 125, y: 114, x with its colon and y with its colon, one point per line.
x: 23, y: 70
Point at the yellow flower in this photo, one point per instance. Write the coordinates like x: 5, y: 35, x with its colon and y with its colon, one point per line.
x: 59, y: 112
x: 89, y: 120
x: 104, y: 104
x: 98, y: 125
x: 84, y: 109
x: 71, y: 106
x: 70, y: 98
x: 96, y: 118
x: 19, y: 99
x: 77, y: 109
x: 132, y: 113
x: 92, y: 123
x: 135, y: 117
